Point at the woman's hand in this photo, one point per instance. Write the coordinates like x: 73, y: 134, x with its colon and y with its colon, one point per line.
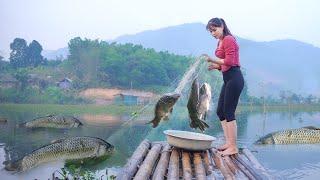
x: 213, y: 66
x: 207, y: 57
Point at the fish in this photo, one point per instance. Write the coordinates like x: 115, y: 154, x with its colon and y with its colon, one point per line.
x: 193, y: 105
x: 70, y: 148
x: 53, y: 121
x: 304, y: 135
x: 204, y: 101
x: 164, y: 108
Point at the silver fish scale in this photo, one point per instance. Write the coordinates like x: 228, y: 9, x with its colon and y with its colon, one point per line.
x: 297, y: 136
x: 71, y: 148
x: 52, y: 121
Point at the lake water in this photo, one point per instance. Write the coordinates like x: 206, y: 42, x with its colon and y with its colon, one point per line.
x: 283, y: 161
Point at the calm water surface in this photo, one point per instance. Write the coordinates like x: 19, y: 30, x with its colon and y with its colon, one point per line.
x: 283, y: 161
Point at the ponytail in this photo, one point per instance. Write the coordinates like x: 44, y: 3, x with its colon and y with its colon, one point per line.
x: 226, y: 30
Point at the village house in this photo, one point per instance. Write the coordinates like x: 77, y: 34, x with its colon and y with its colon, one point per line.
x: 132, y: 97
x: 65, y: 84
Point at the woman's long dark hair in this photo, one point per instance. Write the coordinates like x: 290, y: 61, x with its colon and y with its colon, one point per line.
x: 218, y: 22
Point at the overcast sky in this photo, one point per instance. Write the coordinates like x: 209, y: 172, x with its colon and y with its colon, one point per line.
x: 54, y: 22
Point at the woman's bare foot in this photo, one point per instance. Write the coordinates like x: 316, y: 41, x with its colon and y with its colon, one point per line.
x: 230, y: 151
x: 223, y: 147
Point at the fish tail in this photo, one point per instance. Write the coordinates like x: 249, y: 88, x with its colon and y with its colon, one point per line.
x: 199, y: 124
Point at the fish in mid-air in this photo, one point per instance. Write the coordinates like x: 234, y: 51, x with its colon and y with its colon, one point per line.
x: 204, y: 101
x: 164, y: 108
x: 193, y: 105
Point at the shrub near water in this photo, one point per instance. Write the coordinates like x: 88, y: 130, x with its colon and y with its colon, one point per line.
x: 51, y: 95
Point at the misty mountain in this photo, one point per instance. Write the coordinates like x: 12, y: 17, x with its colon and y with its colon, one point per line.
x: 60, y: 54
x: 269, y: 66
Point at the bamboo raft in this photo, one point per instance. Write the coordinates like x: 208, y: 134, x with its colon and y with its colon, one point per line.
x: 158, y: 160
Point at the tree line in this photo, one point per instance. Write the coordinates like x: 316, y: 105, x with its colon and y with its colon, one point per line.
x: 94, y: 63
x: 24, y: 55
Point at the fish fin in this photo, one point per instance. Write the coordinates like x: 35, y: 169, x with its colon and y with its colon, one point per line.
x: 57, y: 140
x: 311, y: 127
x: 80, y: 123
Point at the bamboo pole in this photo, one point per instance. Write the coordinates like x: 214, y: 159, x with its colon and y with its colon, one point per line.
x: 234, y: 168
x: 162, y: 165
x: 207, y: 163
x: 173, y: 170
x: 226, y: 172
x: 256, y: 163
x: 186, y: 166
x: 230, y: 164
x: 242, y: 167
x: 146, y: 168
x: 256, y: 173
x: 200, y: 172
x: 132, y: 165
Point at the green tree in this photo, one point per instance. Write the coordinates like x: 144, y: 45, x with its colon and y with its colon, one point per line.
x: 18, y: 56
x: 22, y: 76
x: 34, y: 54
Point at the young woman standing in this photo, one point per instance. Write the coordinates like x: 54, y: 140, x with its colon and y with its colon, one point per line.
x: 227, y: 61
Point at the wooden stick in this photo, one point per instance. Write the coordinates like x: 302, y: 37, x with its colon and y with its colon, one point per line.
x: 207, y: 163
x: 146, y: 168
x: 186, y: 166
x: 226, y: 172
x: 200, y: 172
x: 162, y: 166
x: 256, y: 163
x: 173, y: 170
x: 132, y: 165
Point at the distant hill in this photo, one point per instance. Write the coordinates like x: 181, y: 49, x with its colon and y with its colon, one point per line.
x: 270, y: 66
x: 61, y: 53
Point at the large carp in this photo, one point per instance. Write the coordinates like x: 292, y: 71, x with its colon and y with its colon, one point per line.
x: 164, y: 108
x: 305, y: 135
x: 53, y: 121
x: 62, y: 149
x: 204, y: 101
x: 193, y: 104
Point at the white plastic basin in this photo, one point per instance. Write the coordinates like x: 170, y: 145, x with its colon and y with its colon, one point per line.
x: 189, y: 140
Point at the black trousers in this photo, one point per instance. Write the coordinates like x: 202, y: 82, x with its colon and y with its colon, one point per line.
x: 230, y: 93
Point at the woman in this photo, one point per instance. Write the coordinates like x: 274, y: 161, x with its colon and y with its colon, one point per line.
x: 227, y: 61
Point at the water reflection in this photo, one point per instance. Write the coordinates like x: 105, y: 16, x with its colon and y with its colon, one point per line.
x: 292, y: 161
